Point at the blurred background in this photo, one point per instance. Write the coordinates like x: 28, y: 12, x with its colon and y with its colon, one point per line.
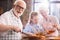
x: 33, y: 5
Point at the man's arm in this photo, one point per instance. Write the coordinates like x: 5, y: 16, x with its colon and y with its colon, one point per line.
x: 4, y: 28
x: 4, y: 24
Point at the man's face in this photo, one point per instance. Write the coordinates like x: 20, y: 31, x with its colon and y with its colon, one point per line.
x: 35, y: 19
x: 19, y: 8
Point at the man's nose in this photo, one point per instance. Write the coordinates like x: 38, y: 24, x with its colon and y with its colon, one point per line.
x: 20, y: 10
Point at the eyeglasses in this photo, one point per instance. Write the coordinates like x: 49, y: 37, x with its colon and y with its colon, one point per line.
x: 20, y: 7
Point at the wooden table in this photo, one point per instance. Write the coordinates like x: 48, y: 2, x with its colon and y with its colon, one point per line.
x: 53, y: 38
x: 33, y: 38
x: 37, y: 38
x: 47, y: 38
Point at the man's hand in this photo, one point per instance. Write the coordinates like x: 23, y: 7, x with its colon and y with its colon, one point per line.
x: 16, y: 29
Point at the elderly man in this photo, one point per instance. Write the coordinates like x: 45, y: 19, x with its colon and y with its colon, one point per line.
x: 10, y: 23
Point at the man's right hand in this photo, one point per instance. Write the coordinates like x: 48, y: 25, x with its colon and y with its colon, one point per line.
x: 16, y: 29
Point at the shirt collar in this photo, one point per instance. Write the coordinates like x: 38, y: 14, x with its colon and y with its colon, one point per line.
x: 12, y: 13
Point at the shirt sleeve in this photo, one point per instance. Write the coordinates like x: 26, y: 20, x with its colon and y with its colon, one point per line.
x: 3, y: 19
x: 27, y: 29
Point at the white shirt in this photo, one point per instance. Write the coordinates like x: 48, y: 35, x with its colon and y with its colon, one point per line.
x: 8, y: 18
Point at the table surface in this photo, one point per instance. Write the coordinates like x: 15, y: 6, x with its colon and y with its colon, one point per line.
x: 58, y: 37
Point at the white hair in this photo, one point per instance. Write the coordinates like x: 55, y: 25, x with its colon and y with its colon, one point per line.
x: 19, y: 1
x: 44, y: 9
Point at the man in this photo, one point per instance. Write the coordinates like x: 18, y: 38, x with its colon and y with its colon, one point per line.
x: 10, y: 23
x: 49, y: 23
